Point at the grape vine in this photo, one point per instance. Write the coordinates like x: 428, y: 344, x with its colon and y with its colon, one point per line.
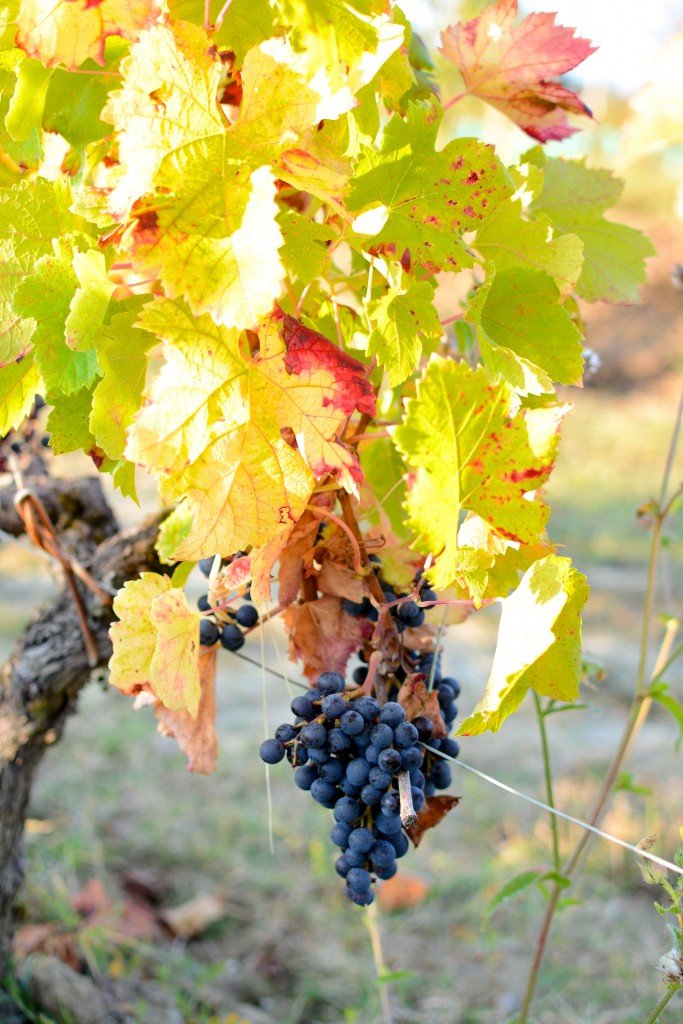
x: 229, y: 250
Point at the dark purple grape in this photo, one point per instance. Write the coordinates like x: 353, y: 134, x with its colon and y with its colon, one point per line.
x: 208, y: 633
x: 272, y: 751
x: 247, y: 616
x: 330, y: 682
x: 232, y: 637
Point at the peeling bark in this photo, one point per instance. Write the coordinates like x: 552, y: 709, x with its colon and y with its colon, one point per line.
x: 40, y: 682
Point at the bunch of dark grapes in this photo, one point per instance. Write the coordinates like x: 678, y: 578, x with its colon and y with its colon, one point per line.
x: 361, y: 759
x: 225, y: 624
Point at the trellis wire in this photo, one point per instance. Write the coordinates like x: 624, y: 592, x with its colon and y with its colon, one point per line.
x: 560, y: 814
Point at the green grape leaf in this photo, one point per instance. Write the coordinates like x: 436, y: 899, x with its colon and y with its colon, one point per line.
x: 31, y: 215
x: 468, y: 454
x: 575, y: 198
x: 509, y: 240
x: 245, y: 25
x: 73, y: 106
x: 489, y: 566
x: 25, y: 111
x: 213, y: 231
x: 172, y: 532
x: 19, y: 384
x: 405, y: 326
x: 539, y: 644
x: 67, y: 423
x: 519, y: 311
x: 90, y: 301
x: 428, y: 198
x: 122, y: 355
x: 304, y: 252
x: 384, y: 471
x: 45, y: 296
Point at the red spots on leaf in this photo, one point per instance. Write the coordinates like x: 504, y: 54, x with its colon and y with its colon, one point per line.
x: 530, y: 473
x: 309, y: 352
x: 97, y: 455
x: 471, y: 178
x: 469, y: 211
x: 405, y: 260
x: 457, y: 164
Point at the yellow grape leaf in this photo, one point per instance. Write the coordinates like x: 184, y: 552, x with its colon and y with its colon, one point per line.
x: 489, y: 566
x: 235, y: 274
x: 244, y: 437
x: 211, y: 231
x: 156, y: 643
x: 469, y: 454
x: 175, y: 663
x: 133, y: 637
x: 68, y: 32
x: 539, y: 644
x: 168, y: 99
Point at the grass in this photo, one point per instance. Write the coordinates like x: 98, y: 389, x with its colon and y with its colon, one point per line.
x: 290, y: 949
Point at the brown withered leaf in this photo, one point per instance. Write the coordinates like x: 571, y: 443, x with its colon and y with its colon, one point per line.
x: 420, y: 638
x: 322, y: 635
x: 229, y: 579
x: 196, y: 737
x: 299, y: 542
x: 340, y: 580
x: 416, y: 700
x: 402, y: 892
x: 430, y: 814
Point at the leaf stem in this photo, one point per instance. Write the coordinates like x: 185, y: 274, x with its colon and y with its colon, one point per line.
x: 455, y: 99
x: 321, y: 513
x: 548, y: 775
x: 660, y: 1005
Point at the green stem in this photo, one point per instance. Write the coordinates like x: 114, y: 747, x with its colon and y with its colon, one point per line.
x: 372, y: 922
x: 637, y: 714
x: 660, y: 1006
x: 548, y: 775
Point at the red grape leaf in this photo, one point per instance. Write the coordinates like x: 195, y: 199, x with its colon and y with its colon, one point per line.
x: 196, y: 737
x: 322, y: 635
x: 512, y: 66
x: 430, y: 814
x: 308, y: 352
x: 416, y: 700
x: 229, y: 579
